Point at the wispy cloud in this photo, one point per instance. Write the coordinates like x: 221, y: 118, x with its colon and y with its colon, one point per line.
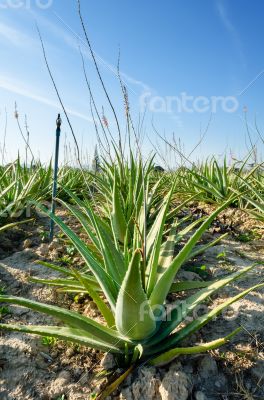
x: 74, y: 40
x: 63, y: 32
x: 15, y: 37
x: 18, y: 88
x: 225, y: 19
x: 231, y: 29
x: 136, y: 82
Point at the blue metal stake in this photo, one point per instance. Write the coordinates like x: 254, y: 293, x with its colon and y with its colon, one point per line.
x: 55, y: 175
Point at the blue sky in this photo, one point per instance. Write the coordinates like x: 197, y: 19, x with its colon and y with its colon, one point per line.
x: 204, y: 49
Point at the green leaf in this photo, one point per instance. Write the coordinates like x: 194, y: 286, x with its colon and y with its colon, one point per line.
x: 105, y: 393
x: 117, y: 216
x: 154, y: 239
x: 134, y: 318
x: 184, y: 307
x: 14, y: 224
x: 203, y: 320
x: 168, y: 356
x: 167, y: 250
x: 189, y: 285
x: 105, y: 311
x: 62, y: 270
x: 101, y: 275
x: 70, y: 318
x: 58, y: 282
x: 162, y: 287
x: 201, y: 249
x: 64, y: 333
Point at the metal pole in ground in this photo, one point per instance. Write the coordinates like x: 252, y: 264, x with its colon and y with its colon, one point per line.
x: 55, y: 175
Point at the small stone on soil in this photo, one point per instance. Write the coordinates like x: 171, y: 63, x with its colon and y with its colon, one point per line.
x: 207, y: 367
x: 108, y: 361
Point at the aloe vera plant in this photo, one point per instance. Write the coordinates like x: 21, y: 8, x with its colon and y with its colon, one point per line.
x: 120, y: 188
x: 254, y: 196
x: 129, y: 277
x: 215, y: 182
x: 19, y: 184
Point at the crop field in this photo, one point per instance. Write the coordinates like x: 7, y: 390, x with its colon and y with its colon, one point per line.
x: 151, y: 276
x: 139, y: 275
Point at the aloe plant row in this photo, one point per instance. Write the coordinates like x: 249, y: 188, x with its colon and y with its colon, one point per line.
x: 131, y: 267
x: 216, y: 182
x: 19, y: 184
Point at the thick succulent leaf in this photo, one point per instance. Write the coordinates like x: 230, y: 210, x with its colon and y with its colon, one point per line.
x: 134, y: 318
x: 189, y: 285
x: 64, y: 333
x: 69, y: 283
x: 154, y: 240
x: 75, y: 290
x: 185, y: 307
x: 175, y: 210
x: 158, y: 223
x: 58, y: 282
x: 153, y: 193
x: 14, y: 224
x: 162, y: 287
x: 114, y: 261
x: 169, y: 356
x: 251, y: 188
x: 105, y: 281
x: 105, y: 311
x: 208, y: 184
x: 203, y: 320
x: 259, y: 206
x: 82, y: 218
x: 117, y: 215
x: 105, y: 393
x: 179, y: 222
x: 168, y: 249
x: 257, y: 215
x: 183, y: 232
x: 62, y: 270
x: 201, y: 249
x: 70, y: 318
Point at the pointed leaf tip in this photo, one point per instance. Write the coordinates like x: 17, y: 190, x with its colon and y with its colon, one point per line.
x: 134, y: 317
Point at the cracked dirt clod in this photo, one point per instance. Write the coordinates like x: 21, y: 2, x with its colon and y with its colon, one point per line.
x: 145, y: 386
x: 175, y: 385
x: 24, y: 362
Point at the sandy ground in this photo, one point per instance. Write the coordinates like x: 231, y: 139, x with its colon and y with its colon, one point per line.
x: 31, y: 370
